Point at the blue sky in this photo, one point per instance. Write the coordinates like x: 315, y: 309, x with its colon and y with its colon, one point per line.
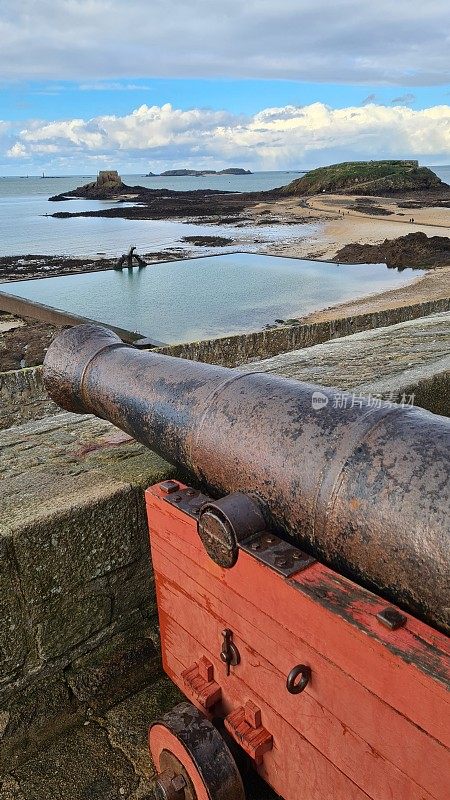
x: 133, y: 85
x: 50, y: 100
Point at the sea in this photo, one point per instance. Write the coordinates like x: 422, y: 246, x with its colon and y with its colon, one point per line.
x: 26, y: 226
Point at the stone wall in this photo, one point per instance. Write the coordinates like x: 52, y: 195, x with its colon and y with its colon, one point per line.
x: 78, y: 622
x: 233, y: 351
x: 23, y: 397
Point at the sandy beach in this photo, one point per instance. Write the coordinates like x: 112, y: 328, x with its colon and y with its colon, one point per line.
x: 340, y: 224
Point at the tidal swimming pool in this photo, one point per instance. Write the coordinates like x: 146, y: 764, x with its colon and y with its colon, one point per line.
x: 198, y: 298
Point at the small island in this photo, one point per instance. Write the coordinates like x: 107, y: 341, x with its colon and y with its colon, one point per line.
x: 198, y: 173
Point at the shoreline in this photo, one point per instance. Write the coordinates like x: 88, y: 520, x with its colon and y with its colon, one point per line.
x: 25, y: 343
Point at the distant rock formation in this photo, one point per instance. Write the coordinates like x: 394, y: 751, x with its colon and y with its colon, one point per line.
x: 234, y: 171
x: 108, y: 184
x: 196, y: 173
x: 366, y: 178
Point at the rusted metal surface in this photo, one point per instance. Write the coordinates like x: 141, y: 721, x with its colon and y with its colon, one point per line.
x: 225, y: 523
x: 364, y: 489
x: 293, y: 684
x: 229, y: 654
x: 391, y: 618
x: 188, y: 500
x: 281, y: 556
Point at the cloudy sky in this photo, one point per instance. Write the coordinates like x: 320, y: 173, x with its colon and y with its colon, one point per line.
x: 143, y: 85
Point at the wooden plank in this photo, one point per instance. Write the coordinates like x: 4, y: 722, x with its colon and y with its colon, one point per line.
x: 416, y: 642
x: 395, y: 680
x: 359, y: 760
x: 307, y: 775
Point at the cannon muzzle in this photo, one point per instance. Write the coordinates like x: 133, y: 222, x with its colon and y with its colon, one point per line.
x: 363, y: 488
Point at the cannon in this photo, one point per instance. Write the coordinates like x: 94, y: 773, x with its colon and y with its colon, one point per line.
x: 302, y: 580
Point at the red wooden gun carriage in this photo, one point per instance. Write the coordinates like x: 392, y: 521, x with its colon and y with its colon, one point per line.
x: 303, y: 599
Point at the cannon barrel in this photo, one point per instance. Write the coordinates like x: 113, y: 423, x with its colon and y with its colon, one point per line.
x: 363, y: 488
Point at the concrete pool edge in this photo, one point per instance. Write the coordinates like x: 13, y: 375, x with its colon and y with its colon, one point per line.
x: 239, y: 349
x: 21, y: 307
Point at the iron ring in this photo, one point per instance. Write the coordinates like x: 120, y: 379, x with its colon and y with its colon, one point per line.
x: 292, y: 686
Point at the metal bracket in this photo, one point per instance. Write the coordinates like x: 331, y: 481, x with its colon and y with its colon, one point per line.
x: 187, y: 500
x: 281, y: 556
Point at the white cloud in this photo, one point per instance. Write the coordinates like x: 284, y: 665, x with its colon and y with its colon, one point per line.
x: 113, y: 86
x: 316, y: 40
x: 18, y: 150
x: 274, y: 138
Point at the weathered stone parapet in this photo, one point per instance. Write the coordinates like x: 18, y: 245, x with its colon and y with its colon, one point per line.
x: 407, y: 362
x: 78, y: 624
x: 23, y: 397
x: 233, y: 351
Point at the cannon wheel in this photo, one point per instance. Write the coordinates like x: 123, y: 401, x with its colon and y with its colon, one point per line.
x: 192, y: 759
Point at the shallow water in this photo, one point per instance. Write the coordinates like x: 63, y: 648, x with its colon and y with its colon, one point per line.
x: 209, y: 297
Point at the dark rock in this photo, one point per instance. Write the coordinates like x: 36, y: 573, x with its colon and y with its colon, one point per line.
x: 412, y: 250
x: 207, y: 241
x: 199, y: 173
x: 108, y: 184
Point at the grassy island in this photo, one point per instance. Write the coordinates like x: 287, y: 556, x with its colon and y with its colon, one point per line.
x: 366, y: 178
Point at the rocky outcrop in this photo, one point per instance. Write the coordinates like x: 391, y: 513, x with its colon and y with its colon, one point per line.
x: 412, y: 250
x: 108, y: 184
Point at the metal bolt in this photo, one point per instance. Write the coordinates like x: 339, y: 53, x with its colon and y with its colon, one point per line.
x: 169, y: 486
x: 282, y: 561
x: 179, y: 785
x: 256, y: 546
x: 170, y: 787
x: 391, y: 618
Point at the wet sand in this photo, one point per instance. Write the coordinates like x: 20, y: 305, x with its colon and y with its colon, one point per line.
x: 349, y: 226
